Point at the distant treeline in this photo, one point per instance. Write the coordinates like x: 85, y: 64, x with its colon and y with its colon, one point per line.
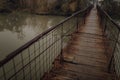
x: 8, y: 5
x: 112, y: 7
x: 44, y: 6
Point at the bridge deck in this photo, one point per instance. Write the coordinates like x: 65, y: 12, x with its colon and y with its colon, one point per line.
x: 84, y: 56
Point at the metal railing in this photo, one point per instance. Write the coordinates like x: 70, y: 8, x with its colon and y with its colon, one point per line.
x: 35, y: 58
x: 112, y: 32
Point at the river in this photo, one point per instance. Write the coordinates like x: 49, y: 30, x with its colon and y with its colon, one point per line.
x: 18, y: 28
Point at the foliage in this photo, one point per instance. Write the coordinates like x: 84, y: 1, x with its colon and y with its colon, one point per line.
x: 44, y: 6
x: 112, y: 7
x: 7, y: 5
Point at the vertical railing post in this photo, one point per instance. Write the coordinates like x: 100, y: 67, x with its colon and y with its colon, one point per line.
x: 101, y: 18
x: 35, y: 61
x: 110, y: 64
x: 40, y: 59
x: 77, y: 22
x: 61, y: 54
x: 29, y: 63
x: 84, y: 17
x: 4, y: 73
x: 22, y: 60
x: 105, y: 26
x: 14, y: 68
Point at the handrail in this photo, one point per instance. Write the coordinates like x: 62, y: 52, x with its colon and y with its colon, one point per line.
x: 112, y: 32
x: 16, y: 52
x: 108, y: 16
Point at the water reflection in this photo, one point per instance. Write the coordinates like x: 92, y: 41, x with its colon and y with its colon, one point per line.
x: 18, y: 28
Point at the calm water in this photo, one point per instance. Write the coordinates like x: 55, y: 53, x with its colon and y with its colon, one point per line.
x: 18, y: 28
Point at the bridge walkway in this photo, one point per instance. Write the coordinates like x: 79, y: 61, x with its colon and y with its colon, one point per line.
x: 84, y: 56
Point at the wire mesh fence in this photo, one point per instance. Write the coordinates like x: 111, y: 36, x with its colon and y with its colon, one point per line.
x: 112, y: 32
